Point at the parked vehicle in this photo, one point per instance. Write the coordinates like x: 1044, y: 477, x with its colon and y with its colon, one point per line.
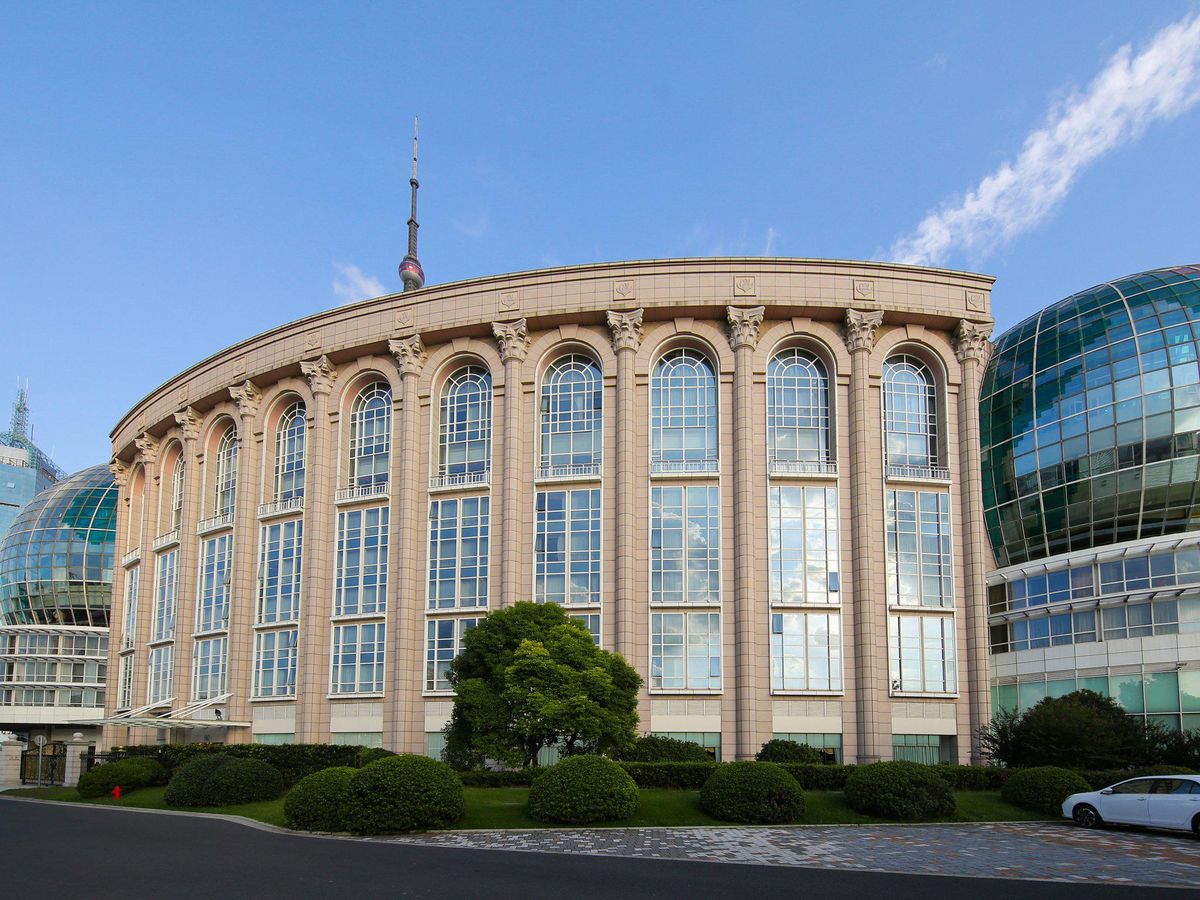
x: 1165, y: 801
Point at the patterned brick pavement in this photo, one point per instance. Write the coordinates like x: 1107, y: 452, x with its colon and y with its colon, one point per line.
x: 1038, y: 851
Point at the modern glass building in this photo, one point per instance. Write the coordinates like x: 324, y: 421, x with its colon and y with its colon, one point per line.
x: 1090, y: 433
x: 24, y: 468
x: 56, y: 565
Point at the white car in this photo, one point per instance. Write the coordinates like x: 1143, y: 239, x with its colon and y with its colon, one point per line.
x: 1164, y: 801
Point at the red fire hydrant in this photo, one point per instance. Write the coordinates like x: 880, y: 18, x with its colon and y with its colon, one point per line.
x: 116, y: 792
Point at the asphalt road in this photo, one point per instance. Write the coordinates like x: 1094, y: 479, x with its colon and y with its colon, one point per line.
x: 60, y: 851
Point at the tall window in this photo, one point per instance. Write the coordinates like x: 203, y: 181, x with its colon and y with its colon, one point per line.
x: 161, y: 673
x: 685, y: 544
x: 358, y: 658
x: 133, y: 580
x: 465, y: 424
x: 919, y: 565
x: 910, y: 413
x: 362, y: 564
x: 804, y: 544
x: 921, y: 654
x: 279, y: 571
x: 371, y: 436
x: 683, y: 413
x: 571, y: 414
x: 208, y: 668
x: 125, y: 683
x: 216, y: 574
x: 443, y: 642
x: 227, y: 454
x: 797, y: 410
x: 289, y: 452
x: 685, y: 651
x: 177, y: 494
x: 165, y: 595
x: 806, y: 652
x: 275, y: 654
x: 458, y: 553
x: 566, y: 550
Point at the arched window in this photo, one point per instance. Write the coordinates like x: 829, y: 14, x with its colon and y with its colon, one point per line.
x: 227, y: 453
x: 571, y: 414
x: 371, y: 436
x: 177, y: 493
x: 909, y: 413
x: 683, y: 413
x: 465, y: 426
x: 797, y: 410
x: 289, y: 453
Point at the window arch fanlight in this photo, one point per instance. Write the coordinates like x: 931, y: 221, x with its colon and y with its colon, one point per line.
x: 290, y: 434
x: 465, y: 426
x: 177, y: 477
x: 571, y: 417
x: 226, y: 481
x: 371, y: 436
x: 910, y: 414
x: 797, y: 412
x: 683, y: 413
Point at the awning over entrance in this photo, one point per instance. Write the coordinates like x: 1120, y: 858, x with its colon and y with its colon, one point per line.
x: 183, y: 717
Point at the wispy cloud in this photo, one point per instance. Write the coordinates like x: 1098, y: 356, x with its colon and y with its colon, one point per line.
x: 1159, y: 83
x: 703, y: 240
x: 769, y: 245
x: 353, y: 284
x: 474, y: 227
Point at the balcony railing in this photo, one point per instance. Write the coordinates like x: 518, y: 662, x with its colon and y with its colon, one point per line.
x: 215, y: 523
x: 684, y: 467
x: 803, y: 467
x: 131, y: 557
x: 566, y: 473
x: 464, y: 479
x: 279, y: 507
x: 163, y: 541
x: 360, y: 492
x: 921, y: 473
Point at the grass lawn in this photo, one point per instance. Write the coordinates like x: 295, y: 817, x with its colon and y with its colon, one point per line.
x: 505, y: 808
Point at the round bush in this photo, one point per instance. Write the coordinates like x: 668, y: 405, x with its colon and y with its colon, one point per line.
x: 242, y: 780
x: 778, y: 750
x: 1043, y: 789
x: 652, y: 748
x: 404, y: 793
x: 899, y: 790
x: 318, y: 801
x: 368, y: 755
x: 755, y: 793
x: 188, y: 785
x: 130, y: 774
x: 583, y: 789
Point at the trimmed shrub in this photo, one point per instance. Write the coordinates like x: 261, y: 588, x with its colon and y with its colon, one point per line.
x: 130, y: 774
x: 581, y: 790
x: 778, y: 750
x: 318, y: 801
x: 974, y: 778
x: 505, y: 778
x: 404, y: 793
x: 755, y: 793
x: 819, y: 777
x: 653, y: 748
x: 680, y: 775
x: 293, y: 761
x: 1043, y: 789
x: 899, y: 790
x: 368, y: 755
x: 189, y: 783
x: 1098, y: 779
x: 242, y: 781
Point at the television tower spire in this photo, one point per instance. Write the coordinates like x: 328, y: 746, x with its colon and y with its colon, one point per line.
x: 19, y: 426
x: 411, y: 272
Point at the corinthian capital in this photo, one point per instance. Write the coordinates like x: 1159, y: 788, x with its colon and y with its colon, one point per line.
x: 189, y: 421
x: 147, y: 446
x: 320, y: 374
x: 743, y: 326
x: 409, y: 352
x: 512, y: 338
x: 247, y: 396
x: 971, y: 342
x: 861, y: 328
x: 626, y: 329
x: 120, y: 472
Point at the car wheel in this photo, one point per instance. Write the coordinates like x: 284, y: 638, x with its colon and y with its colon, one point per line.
x: 1196, y: 826
x: 1085, y: 816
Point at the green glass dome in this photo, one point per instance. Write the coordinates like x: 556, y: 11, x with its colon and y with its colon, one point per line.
x: 56, y: 560
x: 1090, y: 418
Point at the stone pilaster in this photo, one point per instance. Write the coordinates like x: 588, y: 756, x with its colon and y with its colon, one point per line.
x: 973, y: 348
x: 870, y: 606
x: 320, y: 468
x: 749, y: 609
x: 116, y: 615
x: 242, y: 600
x: 147, y: 453
x: 188, y: 561
x: 626, y: 330
x: 513, y: 340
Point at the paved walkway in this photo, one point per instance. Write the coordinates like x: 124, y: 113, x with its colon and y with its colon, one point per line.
x: 1040, y: 851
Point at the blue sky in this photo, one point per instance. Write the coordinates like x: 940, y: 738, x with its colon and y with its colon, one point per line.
x: 176, y: 177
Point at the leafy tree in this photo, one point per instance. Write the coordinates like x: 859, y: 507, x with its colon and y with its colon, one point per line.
x: 529, y: 677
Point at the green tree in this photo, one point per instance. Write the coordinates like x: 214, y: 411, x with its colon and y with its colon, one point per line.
x: 529, y: 677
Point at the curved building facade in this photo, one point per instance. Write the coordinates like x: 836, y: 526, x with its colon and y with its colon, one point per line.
x: 56, y: 571
x: 1090, y: 417
x: 755, y: 479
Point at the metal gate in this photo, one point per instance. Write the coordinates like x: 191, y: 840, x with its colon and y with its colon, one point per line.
x: 49, y: 770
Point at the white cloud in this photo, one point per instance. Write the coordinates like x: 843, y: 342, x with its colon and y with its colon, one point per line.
x: 353, y: 284
x: 1131, y: 92
x: 769, y: 247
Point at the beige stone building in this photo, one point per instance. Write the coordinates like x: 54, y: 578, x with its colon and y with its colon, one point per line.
x: 757, y: 479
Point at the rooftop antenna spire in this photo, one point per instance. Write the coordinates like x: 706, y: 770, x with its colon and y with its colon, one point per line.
x: 411, y: 272
x: 19, y: 426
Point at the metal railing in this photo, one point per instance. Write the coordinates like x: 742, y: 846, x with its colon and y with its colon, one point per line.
x: 802, y: 467
x: 684, y: 467
x: 925, y: 473
x: 551, y: 473
x: 465, y: 479
x: 131, y: 557
x: 360, y: 492
x: 165, y: 540
x: 279, y: 507
x: 213, y: 523
x: 44, y: 765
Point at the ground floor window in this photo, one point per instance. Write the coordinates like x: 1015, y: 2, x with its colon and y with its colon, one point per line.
x: 357, y: 738
x: 590, y: 621
x: 435, y: 743
x: 275, y: 663
x: 828, y: 745
x: 921, y: 654
x: 161, y: 674
x: 685, y: 651
x: 931, y: 749
x: 709, y: 740
x: 208, y: 668
x: 288, y: 737
x: 806, y: 652
x: 443, y: 642
x: 358, y: 658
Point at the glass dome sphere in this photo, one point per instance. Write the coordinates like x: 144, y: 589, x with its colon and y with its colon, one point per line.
x: 56, y: 560
x: 1090, y: 419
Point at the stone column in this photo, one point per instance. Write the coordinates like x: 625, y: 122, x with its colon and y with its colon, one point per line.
x: 749, y: 612
x: 312, y: 669
x: 240, y: 661
x: 870, y: 606
x: 187, y: 563
x: 626, y: 330
x: 404, y: 712
x: 514, y: 343
x: 972, y: 348
x: 10, y: 763
x: 116, y: 613
x: 73, y: 764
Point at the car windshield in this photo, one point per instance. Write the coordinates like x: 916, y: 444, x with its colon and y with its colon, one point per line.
x: 1139, y: 786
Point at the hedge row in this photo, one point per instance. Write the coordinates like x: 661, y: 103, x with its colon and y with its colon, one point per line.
x: 293, y: 761
x: 1102, y: 778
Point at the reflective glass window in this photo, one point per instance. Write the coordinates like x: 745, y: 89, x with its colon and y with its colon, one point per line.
x: 683, y: 413
x: 571, y: 414
x: 465, y: 423
x: 371, y: 436
x: 566, y: 552
x: 797, y: 408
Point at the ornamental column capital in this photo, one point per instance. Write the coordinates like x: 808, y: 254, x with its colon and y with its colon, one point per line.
x: 743, y: 326
x: 248, y: 397
x: 189, y: 422
x: 513, y: 340
x: 120, y: 472
x: 320, y: 374
x: 148, y: 446
x: 626, y: 328
x: 861, y: 327
x: 409, y: 352
x: 971, y: 342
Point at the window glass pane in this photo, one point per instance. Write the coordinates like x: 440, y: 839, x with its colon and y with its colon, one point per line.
x: 797, y: 408
x: 567, y: 547
x: 685, y: 564
x: 571, y: 413
x: 683, y: 410
x: 909, y: 413
x: 371, y: 436
x: 803, y: 544
x: 458, y: 552
x: 465, y: 423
